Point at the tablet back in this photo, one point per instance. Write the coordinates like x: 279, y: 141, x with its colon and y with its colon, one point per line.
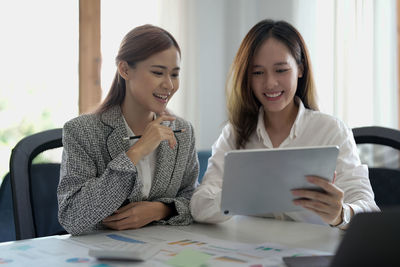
x: 258, y: 182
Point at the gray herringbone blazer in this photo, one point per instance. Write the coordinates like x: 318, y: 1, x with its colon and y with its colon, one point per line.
x: 97, y: 176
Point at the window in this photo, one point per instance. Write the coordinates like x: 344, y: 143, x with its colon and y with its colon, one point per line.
x: 39, y: 69
x: 117, y: 19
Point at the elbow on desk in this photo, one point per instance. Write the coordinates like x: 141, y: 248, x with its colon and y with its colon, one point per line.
x: 70, y: 228
x: 74, y: 226
x: 77, y: 230
x: 206, y: 210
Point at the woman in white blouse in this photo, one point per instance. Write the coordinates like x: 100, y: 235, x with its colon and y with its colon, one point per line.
x: 272, y: 104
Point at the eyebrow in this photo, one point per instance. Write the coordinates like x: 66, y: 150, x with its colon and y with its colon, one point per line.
x: 276, y: 64
x: 164, y: 67
x: 281, y: 63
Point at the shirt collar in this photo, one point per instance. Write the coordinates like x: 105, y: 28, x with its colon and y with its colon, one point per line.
x: 299, y: 121
x: 130, y: 132
x: 261, y: 132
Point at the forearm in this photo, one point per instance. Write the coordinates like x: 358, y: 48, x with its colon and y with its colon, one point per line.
x: 84, y: 201
x: 357, y: 189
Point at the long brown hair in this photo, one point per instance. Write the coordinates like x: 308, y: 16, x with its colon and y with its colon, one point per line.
x: 242, y: 104
x: 137, y: 45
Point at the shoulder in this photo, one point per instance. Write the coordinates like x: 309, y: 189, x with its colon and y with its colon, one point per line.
x: 226, y: 140
x: 227, y: 132
x: 82, y: 120
x: 324, y: 120
x: 83, y: 124
x: 326, y: 126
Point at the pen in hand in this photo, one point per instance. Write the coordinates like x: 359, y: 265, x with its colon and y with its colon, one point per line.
x: 138, y: 136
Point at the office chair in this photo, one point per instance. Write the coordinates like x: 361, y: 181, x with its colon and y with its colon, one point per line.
x: 34, y: 186
x: 7, y: 228
x: 203, y: 156
x: 385, y: 182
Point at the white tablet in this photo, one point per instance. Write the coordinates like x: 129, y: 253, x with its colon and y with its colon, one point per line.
x: 259, y: 181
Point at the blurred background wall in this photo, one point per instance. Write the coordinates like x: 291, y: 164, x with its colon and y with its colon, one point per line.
x: 352, y: 43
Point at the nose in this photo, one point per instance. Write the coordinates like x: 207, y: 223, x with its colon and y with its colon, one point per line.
x: 167, y: 83
x: 271, y: 82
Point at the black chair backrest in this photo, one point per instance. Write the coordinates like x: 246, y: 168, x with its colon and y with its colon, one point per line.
x: 377, y: 135
x: 7, y: 228
x: 34, y: 186
x: 385, y: 182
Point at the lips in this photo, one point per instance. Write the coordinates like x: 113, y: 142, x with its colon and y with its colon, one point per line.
x: 162, y: 96
x: 273, y: 94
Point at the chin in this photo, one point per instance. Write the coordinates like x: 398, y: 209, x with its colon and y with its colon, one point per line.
x: 274, y: 108
x: 159, y: 110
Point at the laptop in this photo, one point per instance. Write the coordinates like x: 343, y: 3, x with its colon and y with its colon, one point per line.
x: 372, y: 239
x: 259, y: 181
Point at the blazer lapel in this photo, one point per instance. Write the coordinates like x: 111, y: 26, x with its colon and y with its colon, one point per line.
x: 115, y: 142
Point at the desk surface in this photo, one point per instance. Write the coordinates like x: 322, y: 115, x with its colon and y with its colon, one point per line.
x: 63, y: 250
x: 260, y: 230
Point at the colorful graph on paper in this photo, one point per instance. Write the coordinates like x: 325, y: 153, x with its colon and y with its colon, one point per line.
x: 124, y: 239
x: 186, y: 242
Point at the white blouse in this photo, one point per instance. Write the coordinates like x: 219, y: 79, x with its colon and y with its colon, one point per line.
x: 311, y: 128
x: 145, y: 167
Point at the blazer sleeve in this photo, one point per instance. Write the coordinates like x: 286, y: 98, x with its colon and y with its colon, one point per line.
x: 185, y: 192
x: 86, y: 197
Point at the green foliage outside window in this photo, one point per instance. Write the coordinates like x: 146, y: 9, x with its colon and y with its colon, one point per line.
x: 11, y: 135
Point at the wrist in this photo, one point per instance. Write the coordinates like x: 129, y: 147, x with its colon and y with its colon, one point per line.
x: 135, y: 155
x: 164, y: 211
x: 344, y: 217
x: 338, y: 219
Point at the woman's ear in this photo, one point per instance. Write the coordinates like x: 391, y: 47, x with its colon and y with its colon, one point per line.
x: 123, y: 68
x: 301, y: 70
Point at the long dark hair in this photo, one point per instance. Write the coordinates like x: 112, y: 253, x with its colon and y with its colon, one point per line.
x: 242, y: 104
x: 137, y: 45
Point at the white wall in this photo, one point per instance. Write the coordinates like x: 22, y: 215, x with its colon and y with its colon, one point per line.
x: 216, y: 29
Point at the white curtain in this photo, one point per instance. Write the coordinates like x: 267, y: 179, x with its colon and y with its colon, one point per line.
x: 353, y: 48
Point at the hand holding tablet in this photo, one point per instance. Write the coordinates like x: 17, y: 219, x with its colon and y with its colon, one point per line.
x: 261, y: 181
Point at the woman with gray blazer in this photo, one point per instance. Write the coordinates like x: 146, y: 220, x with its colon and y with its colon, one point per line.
x: 131, y: 162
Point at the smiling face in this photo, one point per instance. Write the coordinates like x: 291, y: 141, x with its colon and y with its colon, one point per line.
x: 274, y: 74
x: 151, y: 83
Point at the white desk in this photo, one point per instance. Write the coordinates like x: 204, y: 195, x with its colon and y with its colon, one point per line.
x: 260, y: 230
x: 62, y: 250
